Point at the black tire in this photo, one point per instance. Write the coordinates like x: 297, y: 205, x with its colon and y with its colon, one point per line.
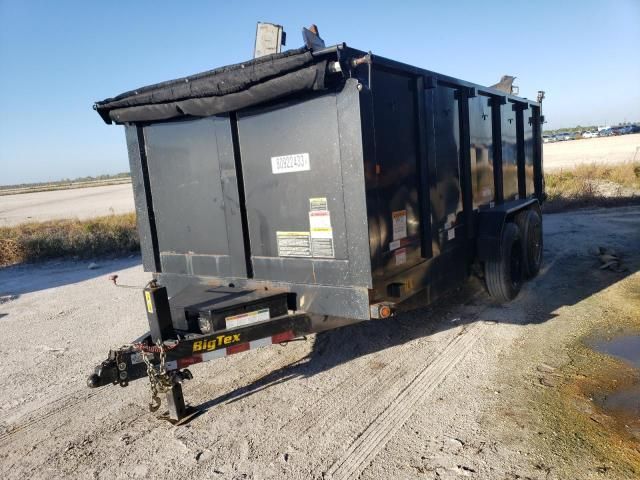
x: 503, y: 276
x: 530, y: 225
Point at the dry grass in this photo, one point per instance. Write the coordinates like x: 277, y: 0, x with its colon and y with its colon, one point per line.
x: 594, y: 185
x: 30, y: 242
x: 583, y: 186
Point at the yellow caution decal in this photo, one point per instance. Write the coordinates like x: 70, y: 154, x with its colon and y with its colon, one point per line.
x: 147, y: 297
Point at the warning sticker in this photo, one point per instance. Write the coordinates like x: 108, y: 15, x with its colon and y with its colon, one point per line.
x: 322, y: 247
x: 320, y: 229
x: 293, y: 244
x: 401, y: 256
x: 316, y: 204
x: 247, y: 318
x: 320, y: 224
x: 298, y: 162
x: 147, y: 297
x: 317, y: 242
x: 399, y: 224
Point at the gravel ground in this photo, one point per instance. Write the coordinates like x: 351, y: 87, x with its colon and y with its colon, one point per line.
x: 448, y: 391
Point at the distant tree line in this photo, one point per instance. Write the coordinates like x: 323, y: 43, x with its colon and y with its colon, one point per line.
x: 67, y: 181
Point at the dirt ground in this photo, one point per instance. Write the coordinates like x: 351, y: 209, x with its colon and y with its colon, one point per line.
x: 568, y: 154
x: 81, y: 203
x: 461, y: 389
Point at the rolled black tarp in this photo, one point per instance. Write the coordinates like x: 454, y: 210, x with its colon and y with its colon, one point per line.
x: 218, y: 91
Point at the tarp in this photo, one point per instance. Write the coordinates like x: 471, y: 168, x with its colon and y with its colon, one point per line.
x: 218, y: 91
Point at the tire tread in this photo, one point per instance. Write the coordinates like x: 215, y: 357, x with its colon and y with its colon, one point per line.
x: 496, y: 274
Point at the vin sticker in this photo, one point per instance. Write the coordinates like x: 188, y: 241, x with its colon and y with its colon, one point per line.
x: 293, y: 244
x: 401, y: 256
x: 399, y: 224
x: 451, y: 234
x: 298, y: 162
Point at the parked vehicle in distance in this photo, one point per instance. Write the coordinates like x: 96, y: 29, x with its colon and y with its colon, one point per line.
x: 547, y: 139
x: 590, y: 135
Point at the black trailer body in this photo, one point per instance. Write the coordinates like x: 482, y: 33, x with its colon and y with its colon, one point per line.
x: 347, y: 181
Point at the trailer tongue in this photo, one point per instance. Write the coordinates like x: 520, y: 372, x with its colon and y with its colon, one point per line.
x: 164, y: 354
x: 314, y: 184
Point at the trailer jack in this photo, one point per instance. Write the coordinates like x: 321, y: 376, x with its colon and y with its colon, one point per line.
x: 132, y: 362
x: 179, y: 413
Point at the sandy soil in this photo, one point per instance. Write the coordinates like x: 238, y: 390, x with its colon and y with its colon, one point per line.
x: 566, y: 155
x: 79, y: 203
x: 449, y: 391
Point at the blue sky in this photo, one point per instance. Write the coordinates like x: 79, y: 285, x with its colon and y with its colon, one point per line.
x: 57, y: 58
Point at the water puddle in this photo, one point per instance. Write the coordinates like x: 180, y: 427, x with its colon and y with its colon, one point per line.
x: 626, y: 348
x: 622, y: 403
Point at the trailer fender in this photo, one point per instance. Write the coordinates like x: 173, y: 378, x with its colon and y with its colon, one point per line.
x: 491, y: 222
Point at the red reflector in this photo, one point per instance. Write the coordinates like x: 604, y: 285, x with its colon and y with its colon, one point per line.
x: 241, y: 347
x: 185, y: 362
x: 282, y: 337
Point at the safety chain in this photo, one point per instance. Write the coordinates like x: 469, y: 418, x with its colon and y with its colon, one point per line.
x: 158, y: 348
x: 159, y: 380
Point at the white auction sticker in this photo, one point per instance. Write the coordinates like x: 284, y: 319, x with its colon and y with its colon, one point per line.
x: 298, y: 162
x: 399, y: 218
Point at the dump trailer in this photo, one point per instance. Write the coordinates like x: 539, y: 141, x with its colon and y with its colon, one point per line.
x: 312, y: 184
